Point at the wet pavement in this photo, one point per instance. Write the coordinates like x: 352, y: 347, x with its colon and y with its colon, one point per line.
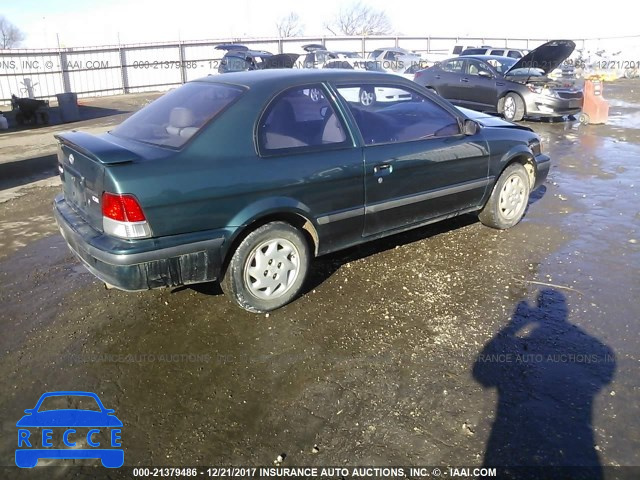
x: 454, y: 344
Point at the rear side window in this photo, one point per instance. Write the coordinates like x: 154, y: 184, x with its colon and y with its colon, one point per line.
x: 499, y: 53
x: 175, y: 117
x: 514, y: 54
x: 454, y: 66
x: 300, y: 118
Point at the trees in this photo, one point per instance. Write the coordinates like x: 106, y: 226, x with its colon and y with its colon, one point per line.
x: 290, y: 26
x: 10, y: 35
x: 360, y: 19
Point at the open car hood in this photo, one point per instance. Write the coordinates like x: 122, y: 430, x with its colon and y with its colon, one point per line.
x: 281, y: 60
x: 312, y: 47
x: 232, y: 46
x: 547, y: 57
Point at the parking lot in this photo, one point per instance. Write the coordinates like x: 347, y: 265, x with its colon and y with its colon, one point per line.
x: 454, y: 344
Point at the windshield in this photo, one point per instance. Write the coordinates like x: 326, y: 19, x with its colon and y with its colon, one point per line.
x: 501, y: 65
x: 532, y: 72
x: 69, y: 402
x: 176, y: 116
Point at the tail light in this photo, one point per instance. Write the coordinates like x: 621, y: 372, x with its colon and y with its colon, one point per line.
x: 122, y: 216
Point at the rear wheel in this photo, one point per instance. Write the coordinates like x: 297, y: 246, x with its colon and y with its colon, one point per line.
x: 513, y: 107
x: 268, y: 268
x: 509, y: 199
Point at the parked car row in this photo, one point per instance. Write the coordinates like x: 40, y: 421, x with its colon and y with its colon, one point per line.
x: 396, y: 60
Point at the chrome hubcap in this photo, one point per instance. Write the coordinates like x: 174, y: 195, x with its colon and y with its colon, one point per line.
x: 272, y: 268
x: 366, y: 98
x: 509, y: 107
x: 512, y: 197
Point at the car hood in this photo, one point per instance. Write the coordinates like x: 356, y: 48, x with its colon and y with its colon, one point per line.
x: 547, y: 57
x: 489, y: 120
x: 69, y: 418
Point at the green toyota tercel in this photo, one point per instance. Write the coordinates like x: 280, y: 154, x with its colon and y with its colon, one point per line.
x: 243, y: 178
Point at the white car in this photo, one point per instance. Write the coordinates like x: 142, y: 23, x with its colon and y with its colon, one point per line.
x: 395, y: 60
x: 367, y: 97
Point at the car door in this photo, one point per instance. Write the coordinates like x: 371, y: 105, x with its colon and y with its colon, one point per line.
x: 417, y: 163
x: 447, y: 79
x: 304, y: 139
x: 478, y: 85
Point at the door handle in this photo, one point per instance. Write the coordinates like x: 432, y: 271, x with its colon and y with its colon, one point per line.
x: 438, y: 77
x: 382, y: 170
x: 499, y: 84
x: 465, y: 80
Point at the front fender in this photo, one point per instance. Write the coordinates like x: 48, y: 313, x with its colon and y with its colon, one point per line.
x: 516, y: 151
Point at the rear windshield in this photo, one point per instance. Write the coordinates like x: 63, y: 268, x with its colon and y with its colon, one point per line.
x: 175, y: 117
x: 474, y: 51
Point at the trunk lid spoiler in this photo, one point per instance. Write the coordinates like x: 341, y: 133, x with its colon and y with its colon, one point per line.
x: 97, y: 148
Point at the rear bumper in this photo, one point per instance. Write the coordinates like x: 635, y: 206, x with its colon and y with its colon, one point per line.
x: 543, y: 163
x: 141, y: 264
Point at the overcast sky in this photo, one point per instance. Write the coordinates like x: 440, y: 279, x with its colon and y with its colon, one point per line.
x: 84, y: 23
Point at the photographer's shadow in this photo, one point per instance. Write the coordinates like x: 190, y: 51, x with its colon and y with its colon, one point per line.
x: 547, y: 372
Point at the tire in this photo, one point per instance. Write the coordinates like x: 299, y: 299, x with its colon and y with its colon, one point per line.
x: 508, y: 200
x: 315, y: 95
x: 513, y: 107
x: 281, y: 246
x: 584, y: 119
x: 367, y: 97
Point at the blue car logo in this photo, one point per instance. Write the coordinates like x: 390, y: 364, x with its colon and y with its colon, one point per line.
x: 69, y: 425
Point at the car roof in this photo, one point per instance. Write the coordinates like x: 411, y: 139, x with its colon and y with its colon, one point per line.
x: 280, y: 77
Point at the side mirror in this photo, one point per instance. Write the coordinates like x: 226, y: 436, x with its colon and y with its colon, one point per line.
x: 485, y: 74
x: 29, y: 411
x: 470, y: 127
x: 109, y: 411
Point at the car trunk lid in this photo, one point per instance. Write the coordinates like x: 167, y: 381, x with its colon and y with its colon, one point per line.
x: 82, y: 159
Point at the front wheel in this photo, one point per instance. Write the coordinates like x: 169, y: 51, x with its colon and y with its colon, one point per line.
x: 513, y: 107
x: 509, y: 199
x: 268, y: 268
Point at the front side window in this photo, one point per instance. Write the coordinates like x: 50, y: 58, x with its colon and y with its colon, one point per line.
x: 475, y: 67
x: 392, y: 114
x: 514, y: 54
x: 175, y: 117
x: 498, y: 53
x: 300, y: 118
